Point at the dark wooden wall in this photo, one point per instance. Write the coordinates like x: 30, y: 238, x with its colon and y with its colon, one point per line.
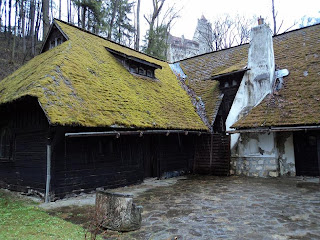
x: 212, y: 155
x: 26, y: 166
x: 83, y: 164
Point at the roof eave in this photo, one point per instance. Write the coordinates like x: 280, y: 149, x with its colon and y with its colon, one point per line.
x: 274, y: 129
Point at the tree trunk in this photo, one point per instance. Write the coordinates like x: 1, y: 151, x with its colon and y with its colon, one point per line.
x: 70, y: 7
x: 137, y: 40
x: 32, y: 16
x: 23, y: 32
x: 274, y: 19
x: 117, y: 212
x: 37, y: 27
x: 60, y: 9
x: 0, y: 14
x: 51, y: 10
x: 9, y: 20
x: 83, y: 17
x: 79, y: 21
x: 14, y: 34
x: 45, y: 21
x: 5, y: 18
x: 68, y: 10
x: 114, y: 9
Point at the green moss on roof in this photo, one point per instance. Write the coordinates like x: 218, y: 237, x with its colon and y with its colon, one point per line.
x: 298, y: 102
x: 201, y: 68
x: 80, y: 83
x: 209, y: 92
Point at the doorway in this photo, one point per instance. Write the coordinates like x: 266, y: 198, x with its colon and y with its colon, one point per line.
x: 307, y: 153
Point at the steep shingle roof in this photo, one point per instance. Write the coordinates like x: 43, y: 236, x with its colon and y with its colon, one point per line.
x: 201, y: 69
x: 298, y: 102
x: 80, y: 83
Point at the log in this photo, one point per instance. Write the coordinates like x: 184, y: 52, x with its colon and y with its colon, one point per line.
x: 117, y: 212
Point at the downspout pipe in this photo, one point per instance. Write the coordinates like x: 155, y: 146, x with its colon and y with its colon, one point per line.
x: 47, y: 195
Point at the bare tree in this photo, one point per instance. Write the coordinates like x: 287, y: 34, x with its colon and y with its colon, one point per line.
x: 160, y: 23
x: 60, y: 9
x: 274, y: 18
x: 137, y: 38
x: 157, y: 6
x: 32, y: 26
x: 45, y: 17
x: 224, y: 32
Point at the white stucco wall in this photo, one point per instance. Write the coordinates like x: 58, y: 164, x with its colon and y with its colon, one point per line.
x: 257, y: 82
x: 264, y: 155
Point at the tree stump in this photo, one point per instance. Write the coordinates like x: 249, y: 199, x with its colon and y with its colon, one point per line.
x: 117, y: 212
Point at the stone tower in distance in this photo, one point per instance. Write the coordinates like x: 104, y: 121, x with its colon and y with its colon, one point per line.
x: 203, y: 35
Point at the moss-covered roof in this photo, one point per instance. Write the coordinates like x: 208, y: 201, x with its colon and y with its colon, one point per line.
x: 298, y: 102
x: 80, y: 83
x: 201, y: 69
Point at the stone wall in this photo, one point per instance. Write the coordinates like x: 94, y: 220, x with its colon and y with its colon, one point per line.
x: 263, y: 155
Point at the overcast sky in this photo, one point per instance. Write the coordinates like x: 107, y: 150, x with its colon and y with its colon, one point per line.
x: 288, y: 10
x: 191, y: 10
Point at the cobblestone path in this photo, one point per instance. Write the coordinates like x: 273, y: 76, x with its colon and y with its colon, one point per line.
x: 206, y: 207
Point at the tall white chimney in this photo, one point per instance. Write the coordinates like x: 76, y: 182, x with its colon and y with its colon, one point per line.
x: 258, y: 80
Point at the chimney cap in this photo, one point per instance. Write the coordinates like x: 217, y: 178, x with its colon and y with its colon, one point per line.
x: 260, y: 20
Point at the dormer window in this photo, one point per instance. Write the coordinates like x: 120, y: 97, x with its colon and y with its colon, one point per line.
x: 134, y: 69
x: 150, y: 74
x: 136, y: 65
x: 54, y: 38
x: 55, y: 42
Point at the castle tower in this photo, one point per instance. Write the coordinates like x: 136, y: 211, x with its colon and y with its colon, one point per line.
x: 203, y: 35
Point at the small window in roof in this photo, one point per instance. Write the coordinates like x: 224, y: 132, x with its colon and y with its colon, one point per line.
x: 135, y: 65
x: 226, y: 84
x: 234, y: 82
x: 134, y: 69
x: 142, y: 71
x: 150, y: 73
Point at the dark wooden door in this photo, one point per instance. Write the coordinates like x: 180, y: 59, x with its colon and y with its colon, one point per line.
x: 150, y: 158
x: 306, y: 148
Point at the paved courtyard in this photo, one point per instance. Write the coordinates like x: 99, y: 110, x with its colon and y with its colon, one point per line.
x: 207, y: 207
x: 231, y: 208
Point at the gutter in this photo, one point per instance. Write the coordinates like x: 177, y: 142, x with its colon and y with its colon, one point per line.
x: 274, y: 129
x: 117, y: 134
x: 47, y: 197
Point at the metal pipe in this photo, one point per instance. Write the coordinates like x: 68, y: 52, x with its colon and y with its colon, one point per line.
x: 47, y: 197
x: 274, y: 129
x: 140, y: 133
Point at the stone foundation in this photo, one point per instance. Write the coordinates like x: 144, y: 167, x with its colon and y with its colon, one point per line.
x: 254, y: 166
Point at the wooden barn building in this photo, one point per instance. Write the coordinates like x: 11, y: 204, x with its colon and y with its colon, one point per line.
x: 90, y: 113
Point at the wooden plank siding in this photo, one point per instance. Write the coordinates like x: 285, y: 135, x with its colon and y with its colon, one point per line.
x: 28, y: 126
x: 85, y: 163
x: 212, y: 155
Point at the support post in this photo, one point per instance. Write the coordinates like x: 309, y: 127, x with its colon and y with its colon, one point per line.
x: 318, y: 149
x: 47, y: 197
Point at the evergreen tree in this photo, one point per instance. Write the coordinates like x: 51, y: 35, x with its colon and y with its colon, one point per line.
x: 118, y: 23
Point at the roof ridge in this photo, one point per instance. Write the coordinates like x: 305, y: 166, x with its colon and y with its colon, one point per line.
x: 86, y: 31
x: 275, y: 36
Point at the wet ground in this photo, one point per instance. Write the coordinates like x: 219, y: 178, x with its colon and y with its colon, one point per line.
x: 206, y: 207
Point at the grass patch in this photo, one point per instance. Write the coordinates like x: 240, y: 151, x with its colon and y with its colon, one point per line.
x: 24, y: 220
